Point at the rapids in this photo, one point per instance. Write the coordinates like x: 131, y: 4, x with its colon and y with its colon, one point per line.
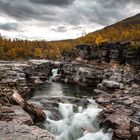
x: 74, y: 124
x: 81, y: 125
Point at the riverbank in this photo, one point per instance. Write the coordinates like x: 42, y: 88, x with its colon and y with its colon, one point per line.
x: 118, y: 89
x: 17, y: 80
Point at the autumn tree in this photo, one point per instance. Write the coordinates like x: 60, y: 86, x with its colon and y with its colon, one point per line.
x: 38, y: 52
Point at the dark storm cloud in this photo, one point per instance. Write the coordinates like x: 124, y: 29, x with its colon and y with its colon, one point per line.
x: 17, y: 10
x: 54, y: 2
x: 59, y: 29
x: 106, y: 12
x: 8, y: 26
x: 69, y: 12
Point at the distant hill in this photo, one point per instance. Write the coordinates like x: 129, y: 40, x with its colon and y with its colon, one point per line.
x: 132, y: 20
x: 125, y: 30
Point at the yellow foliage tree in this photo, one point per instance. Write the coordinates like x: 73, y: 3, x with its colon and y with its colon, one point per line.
x: 99, y: 40
x: 12, y: 53
x: 38, y: 52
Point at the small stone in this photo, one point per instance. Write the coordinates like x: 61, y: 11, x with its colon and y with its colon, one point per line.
x: 101, y: 100
x: 101, y: 87
x: 128, y: 88
x: 121, y: 86
x: 135, y: 86
x: 97, y: 91
x: 126, y: 91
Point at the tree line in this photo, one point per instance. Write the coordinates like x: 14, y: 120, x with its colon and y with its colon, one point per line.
x: 17, y: 49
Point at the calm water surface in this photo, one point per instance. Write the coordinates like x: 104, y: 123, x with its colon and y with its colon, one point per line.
x: 62, y: 89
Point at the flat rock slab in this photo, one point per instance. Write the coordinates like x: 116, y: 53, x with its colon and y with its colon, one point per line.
x: 20, y: 127
x: 13, y: 131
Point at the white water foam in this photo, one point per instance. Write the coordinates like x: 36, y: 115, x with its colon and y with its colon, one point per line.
x: 82, y: 125
x: 97, y: 136
x: 54, y: 72
x: 66, y: 110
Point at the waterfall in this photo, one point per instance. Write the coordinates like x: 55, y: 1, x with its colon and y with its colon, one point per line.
x: 54, y: 72
x: 55, y: 75
x: 82, y: 125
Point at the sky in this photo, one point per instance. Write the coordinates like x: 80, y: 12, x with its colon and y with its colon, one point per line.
x: 61, y: 19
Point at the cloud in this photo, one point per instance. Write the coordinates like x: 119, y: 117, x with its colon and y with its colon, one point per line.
x: 54, y: 2
x: 17, y: 10
x: 78, y: 11
x: 9, y: 26
x: 106, y: 12
x: 59, y: 29
x: 62, y: 16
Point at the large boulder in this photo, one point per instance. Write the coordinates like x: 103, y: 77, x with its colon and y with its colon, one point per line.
x: 111, y: 84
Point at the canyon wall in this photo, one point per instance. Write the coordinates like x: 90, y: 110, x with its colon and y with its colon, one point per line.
x: 113, y: 70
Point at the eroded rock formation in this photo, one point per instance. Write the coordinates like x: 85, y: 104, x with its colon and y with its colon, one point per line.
x: 120, y: 52
x: 17, y: 79
x: 118, y: 89
x: 117, y: 86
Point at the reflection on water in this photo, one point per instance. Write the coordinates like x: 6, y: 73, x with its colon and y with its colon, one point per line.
x: 62, y: 89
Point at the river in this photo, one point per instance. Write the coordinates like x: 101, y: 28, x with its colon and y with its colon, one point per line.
x: 61, y: 89
x: 71, y: 113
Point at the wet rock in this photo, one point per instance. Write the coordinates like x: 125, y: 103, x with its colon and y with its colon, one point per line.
x: 52, y: 103
x: 111, y: 84
x: 36, y: 112
x: 97, y: 91
x: 102, y: 100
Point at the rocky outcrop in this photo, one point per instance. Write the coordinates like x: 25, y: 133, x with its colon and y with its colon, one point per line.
x: 119, y: 52
x: 120, y: 96
x: 117, y: 86
x: 17, y: 79
x: 16, y: 124
x: 82, y: 73
x: 24, y: 76
x: 118, y: 89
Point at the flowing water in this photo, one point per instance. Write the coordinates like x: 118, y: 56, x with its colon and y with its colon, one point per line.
x: 75, y: 124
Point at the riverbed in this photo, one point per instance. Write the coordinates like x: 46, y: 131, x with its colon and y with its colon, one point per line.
x: 72, y: 113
